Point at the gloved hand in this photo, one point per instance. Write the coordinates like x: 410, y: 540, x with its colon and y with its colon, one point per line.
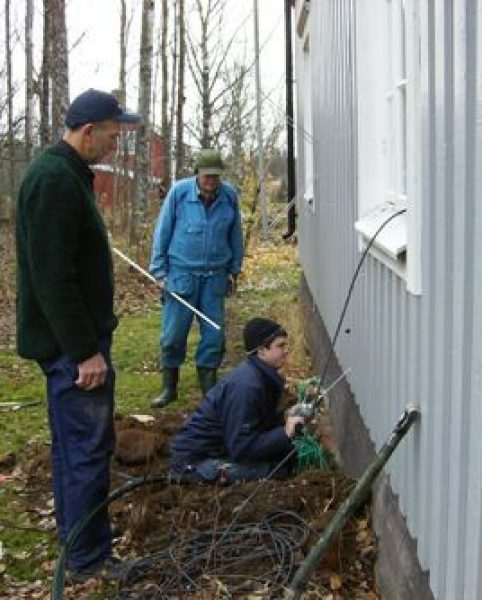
x: 232, y: 284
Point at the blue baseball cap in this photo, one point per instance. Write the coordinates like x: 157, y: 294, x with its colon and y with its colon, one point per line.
x: 94, y: 106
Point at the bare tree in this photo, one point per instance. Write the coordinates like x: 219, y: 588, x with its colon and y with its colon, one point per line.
x: 165, y: 126
x: 10, y: 94
x: 59, y: 66
x: 45, y: 132
x: 121, y: 190
x: 208, y: 61
x: 173, y: 84
x: 143, y: 133
x: 180, y: 94
x: 29, y: 87
x: 123, y: 52
x: 233, y: 129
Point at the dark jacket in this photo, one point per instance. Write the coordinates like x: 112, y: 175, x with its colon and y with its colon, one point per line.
x: 64, y: 266
x: 238, y: 420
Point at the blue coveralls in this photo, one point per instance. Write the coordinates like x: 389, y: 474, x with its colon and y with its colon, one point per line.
x: 195, y: 249
x: 237, y: 431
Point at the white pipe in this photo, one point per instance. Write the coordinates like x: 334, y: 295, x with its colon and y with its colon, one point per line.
x: 173, y: 294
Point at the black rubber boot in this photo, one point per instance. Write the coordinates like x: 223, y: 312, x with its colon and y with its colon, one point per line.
x: 170, y: 377
x: 207, y: 378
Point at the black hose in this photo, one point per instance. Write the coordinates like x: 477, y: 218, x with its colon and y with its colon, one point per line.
x: 58, y: 582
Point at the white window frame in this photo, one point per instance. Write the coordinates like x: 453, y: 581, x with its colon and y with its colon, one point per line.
x: 388, y: 70
x: 303, y: 30
x: 307, y: 133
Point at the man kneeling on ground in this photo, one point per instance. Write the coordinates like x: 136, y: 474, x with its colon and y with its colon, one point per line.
x: 238, y: 432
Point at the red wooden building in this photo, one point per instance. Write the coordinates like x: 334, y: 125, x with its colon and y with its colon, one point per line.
x: 114, y: 177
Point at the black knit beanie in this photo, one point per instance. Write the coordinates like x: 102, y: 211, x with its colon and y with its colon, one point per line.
x: 259, y: 332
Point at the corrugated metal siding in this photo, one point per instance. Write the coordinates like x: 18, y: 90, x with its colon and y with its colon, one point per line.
x: 402, y: 348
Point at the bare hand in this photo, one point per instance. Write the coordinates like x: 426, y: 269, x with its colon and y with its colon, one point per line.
x: 92, y: 372
x: 291, y: 423
x: 161, y: 283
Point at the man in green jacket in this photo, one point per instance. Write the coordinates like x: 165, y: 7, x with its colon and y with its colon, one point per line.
x: 65, y: 320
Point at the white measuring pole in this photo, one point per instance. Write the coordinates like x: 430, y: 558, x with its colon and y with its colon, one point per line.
x: 173, y: 294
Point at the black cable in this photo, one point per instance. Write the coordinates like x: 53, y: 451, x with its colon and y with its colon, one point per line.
x: 58, y: 581
x: 224, y: 556
x: 350, y: 289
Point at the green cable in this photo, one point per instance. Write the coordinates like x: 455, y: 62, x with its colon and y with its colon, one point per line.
x: 309, y: 453
x: 58, y: 580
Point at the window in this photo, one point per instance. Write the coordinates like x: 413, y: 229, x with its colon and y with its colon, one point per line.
x: 307, y: 132
x: 388, y: 130
x: 307, y: 112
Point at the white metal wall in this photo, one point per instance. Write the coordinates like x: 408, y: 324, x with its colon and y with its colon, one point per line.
x: 402, y: 348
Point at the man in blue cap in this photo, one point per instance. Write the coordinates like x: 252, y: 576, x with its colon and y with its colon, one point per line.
x: 197, y: 252
x: 65, y: 320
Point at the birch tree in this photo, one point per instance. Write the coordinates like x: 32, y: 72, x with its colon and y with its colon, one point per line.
x: 10, y: 94
x: 209, y: 66
x: 45, y: 131
x: 173, y: 85
x: 29, y: 82
x: 123, y: 52
x: 180, y: 94
x: 143, y: 131
x: 59, y: 66
x: 165, y: 125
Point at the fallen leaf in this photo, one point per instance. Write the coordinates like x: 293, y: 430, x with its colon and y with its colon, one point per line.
x: 335, y: 581
x: 361, y: 535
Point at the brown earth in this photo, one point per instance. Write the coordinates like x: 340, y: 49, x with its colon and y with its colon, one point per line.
x: 184, y: 524
x: 176, y: 529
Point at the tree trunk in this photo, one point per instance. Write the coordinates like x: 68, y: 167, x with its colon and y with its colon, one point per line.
x: 143, y: 131
x: 29, y: 91
x: 180, y: 95
x: 123, y: 53
x: 10, y: 133
x: 205, y: 93
x: 172, y: 170
x: 59, y: 68
x: 165, y: 127
x: 121, y: 195
x: 45, y: 132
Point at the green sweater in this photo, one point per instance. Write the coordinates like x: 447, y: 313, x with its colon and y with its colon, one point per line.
x: 64, y: 266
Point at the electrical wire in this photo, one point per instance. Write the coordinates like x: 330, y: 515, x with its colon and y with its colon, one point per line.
x: 58, y: 580
x: 350, y: 289
x: 249, y: 558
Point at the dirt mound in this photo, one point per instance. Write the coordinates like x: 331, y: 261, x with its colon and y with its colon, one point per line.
x: 242, y: 541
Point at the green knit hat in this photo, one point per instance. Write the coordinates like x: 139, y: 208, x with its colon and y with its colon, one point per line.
x: 209, y: 162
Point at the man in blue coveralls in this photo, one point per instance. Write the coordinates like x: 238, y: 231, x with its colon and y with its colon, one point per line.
x: 197, y: 252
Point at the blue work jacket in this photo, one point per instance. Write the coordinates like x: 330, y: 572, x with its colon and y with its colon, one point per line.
x: 190, y: 236
x: 239, y: 420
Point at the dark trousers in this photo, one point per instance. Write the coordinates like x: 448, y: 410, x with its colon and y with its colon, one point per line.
x: 82, y: 430
x: 213, y: 470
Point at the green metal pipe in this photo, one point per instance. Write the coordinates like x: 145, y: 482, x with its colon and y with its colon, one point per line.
x: 349, y: 506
